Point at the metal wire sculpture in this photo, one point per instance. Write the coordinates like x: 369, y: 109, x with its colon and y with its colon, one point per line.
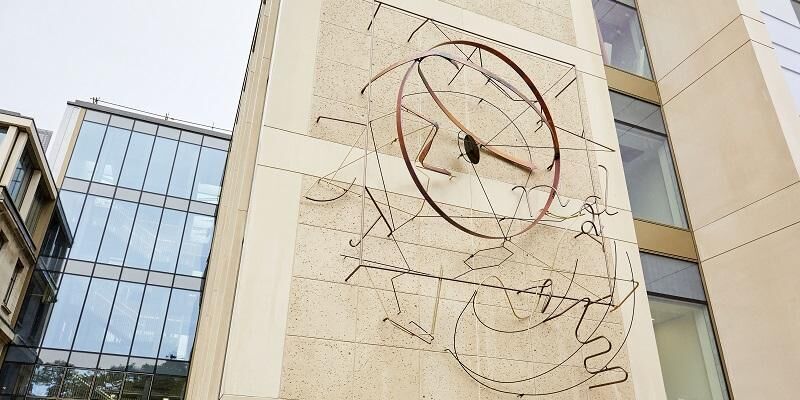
x: 544, y: 299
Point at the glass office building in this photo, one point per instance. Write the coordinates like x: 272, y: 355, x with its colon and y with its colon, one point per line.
x: 140, y: 197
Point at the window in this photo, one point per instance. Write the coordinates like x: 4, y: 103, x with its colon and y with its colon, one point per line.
x: 87, y: 147
x: 21, y: 178
x: 3, y: 133
x: 687, y: 350
x: 196, y: 245
x: 3, y: 240
x: 184, y: 306
x: 18, y: 268
x: 143, y: 238
x: 136, y: 160
x: 90, y: 228
x: 647, y: 161
x: 117, y: 234
x: 796, y: 5
x: 169, y: 241
x: 621, y: 39
x: 151, y: 322
x: 161, y: 160
x: 66, y: 312
x: 109, y: 162
x: 96, y: 310
x: 180, y: 185
x: 208, y: 182
x: 123, y: 318
x: 72, y: 203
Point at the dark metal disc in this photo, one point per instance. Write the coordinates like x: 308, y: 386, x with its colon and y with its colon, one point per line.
x: 472, y: 149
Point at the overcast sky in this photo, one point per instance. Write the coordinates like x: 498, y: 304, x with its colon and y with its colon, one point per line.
x: 184, y: 57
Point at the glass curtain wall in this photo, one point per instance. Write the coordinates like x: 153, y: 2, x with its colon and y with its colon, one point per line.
x: 621, y: 39
x: 140, y: 200
x: 687, y: 350
x: 647, y: 161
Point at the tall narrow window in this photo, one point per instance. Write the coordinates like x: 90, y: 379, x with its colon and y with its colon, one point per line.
x: 3, y: 240
x: 687, y: 349
x: 796, y: 5
x: 621, y: 39
x: 109, y: 162
x: 21, y: 178
x: 13, y: 282
x: 647, y: 161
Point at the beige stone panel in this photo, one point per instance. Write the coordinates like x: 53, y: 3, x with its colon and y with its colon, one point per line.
x: 523, y: 15
x: 754, y: 300
x: 262, y: 292
x: 383, y: 372
x: 506, y: 370
x: 728, y: 40
x: 316, y: 369
x: 290, y: 85
x: 322, y: 310
x: 584, y: 21
x: 351, y: 14
x: 452, y: 15
x: 727, y: 139
x: 774, y: 212
x: 699, y: 21
x: 441, y: 377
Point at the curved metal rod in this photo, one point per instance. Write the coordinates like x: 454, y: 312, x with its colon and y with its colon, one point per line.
x: 334, y: 198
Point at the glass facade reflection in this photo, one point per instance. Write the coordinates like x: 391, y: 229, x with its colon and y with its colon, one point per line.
x: 621, y: 39
x: 647, y: 161
x: 687, y: 349
x: 140, y: 201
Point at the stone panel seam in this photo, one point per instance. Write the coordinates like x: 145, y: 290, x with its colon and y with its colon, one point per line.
x: 663, y: 105
x: 747, y: 205
x: 751, y: 241
x: 704, y: 45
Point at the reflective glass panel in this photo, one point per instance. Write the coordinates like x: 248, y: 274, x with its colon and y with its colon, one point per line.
x: 687, y: 351
x: 672, y: 277
x: 179, y: 329
x: 180, y: 185
x: 167, y: 387
x: 14, y: 378
x: 118, y: 231
x: 77, y: 383
x: 160, y: 162
x: 87, y: 147
x: 46, y: 381
x: 21, y: 178
x: 136, y: 387
x: 109, y: 163
x: 210, y: 169
x: 73, y: 204
x: 90, y: 228
x: 95, y: 315
x: 123, y: 318
x: 107, y: 385
x: 151, y: 322
x: 622, y: 42
x: 796, y: 5
x: 143, y: 237
x: 647, y: 161
x: 136, y: 159
x: 169, y: 240
x: 67, y: 310
x: 196, y: 245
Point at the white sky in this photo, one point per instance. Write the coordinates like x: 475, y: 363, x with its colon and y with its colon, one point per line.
x: 184, y: 57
